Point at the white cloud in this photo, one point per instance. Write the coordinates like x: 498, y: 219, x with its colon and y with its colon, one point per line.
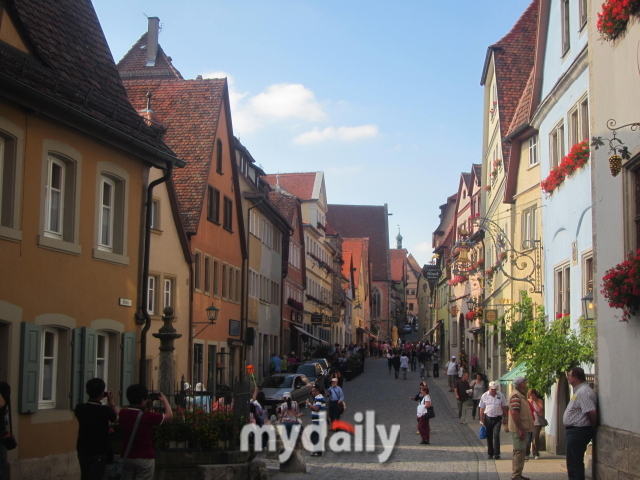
x: 424, y: 247
x: 287, y: 100
x: 332, y: 133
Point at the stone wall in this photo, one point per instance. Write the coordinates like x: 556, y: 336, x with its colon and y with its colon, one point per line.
x: 52, y: 467
x: 617, y: 454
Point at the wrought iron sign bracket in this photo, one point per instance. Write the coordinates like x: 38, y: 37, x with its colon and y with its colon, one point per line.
x: 617, y: 149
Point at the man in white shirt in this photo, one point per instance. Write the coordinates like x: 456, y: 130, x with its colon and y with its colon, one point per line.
x: 452, y: 372
x: 493, y: 412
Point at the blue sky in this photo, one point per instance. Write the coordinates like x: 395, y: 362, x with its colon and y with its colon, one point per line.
x: 384, y: 97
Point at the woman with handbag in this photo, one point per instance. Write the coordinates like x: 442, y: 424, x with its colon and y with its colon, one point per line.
x: 539, y: 422
x: 425, y: 412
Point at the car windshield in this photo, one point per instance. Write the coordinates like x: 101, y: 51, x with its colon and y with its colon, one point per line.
x: 277, y: 382
x: 308, y: 370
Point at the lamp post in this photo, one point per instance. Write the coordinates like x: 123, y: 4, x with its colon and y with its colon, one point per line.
x: 167, y: 336
x: 471, y: 304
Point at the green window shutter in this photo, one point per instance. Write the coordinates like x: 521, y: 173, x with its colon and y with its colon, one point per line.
x: 128, y: 363
x: 77, y: 388
x: 29, y: 368
x: 89, y: 352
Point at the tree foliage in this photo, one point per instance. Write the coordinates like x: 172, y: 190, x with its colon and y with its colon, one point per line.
x: 548, y: 350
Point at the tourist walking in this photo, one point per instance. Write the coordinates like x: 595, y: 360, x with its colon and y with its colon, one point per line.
x: 389, y: 362
x: 318, y: 411
x: 423, y: 421
x: 493, y: 413
x: 336, y: 396
x: 462, y: 394
x: 520, y: 424
x: 435, y: 361
x: 538, y: 420
x: 395, y: 361
x: 404, y: 365
x: 580, y: 419
x: 478, y: 389
x: 452, y: 372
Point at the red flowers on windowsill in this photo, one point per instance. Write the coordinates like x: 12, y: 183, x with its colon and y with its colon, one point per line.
x: 621, y: 286
x: 614, y: 17
x: 575, y: 160
x: 457, y: 280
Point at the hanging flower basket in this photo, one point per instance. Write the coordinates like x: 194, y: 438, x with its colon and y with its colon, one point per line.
x: 621, y: 286
x: 614, y: 17
x: 470, y: 315
x: 575, y: 160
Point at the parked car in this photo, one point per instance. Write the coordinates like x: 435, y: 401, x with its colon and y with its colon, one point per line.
x: 407, y: 329
x: 416, y: 327
x: 315, y: 373
x: 323, y: 363
x: 276, y: 385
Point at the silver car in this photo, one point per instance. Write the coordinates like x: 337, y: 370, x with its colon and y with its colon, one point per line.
x: 277, y: 385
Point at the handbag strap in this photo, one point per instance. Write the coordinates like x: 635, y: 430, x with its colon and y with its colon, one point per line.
x: 8, y: 413
x: 133, y: 434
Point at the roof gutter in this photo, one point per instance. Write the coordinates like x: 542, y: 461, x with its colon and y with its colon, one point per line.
x: 144, y: 302
x: 43, y: 104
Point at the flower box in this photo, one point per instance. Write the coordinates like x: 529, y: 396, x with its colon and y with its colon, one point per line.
x: 574, y: 161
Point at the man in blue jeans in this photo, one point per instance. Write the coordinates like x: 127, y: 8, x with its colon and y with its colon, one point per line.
x: 493, y: 413
x: 580, y: 419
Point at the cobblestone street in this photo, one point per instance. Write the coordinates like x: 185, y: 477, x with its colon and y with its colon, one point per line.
x: 455, y: 450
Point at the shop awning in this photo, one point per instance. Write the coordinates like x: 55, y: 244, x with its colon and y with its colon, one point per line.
x: 367, y: 332
x: 440, y: 322
x: 312, y: 337
x: 517, y: 371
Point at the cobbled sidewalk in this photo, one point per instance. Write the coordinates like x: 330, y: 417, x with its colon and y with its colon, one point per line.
x: 455, y: 452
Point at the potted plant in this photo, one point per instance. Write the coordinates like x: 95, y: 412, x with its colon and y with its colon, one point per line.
x: 621, y: 286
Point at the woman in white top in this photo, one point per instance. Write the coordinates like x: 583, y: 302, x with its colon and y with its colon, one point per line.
x: 404, y: 365
x: 423, y: 421
x: 389, y: 364
x: 289, y: 413
x: 478, y: 389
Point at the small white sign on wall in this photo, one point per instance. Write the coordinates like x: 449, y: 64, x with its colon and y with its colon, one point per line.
x: 574, y: 253
x: 125, y: 302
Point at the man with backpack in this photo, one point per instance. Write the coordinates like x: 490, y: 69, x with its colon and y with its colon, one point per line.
x: 275, y: 365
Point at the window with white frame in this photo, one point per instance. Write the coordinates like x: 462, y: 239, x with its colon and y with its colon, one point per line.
x: 48, y: 368
x: 107, y: 198
x: 582, y: 13
x: 566, y: 26
x: 529, y: 227
x: 587, y: 273
x: 584, y: 120
x: 102, y: 356
x: 167, y: 293
x: 216, y: 277
x: 55, y: 196
x: 152, y: 294
x: 574, y: 126
x: 197, y: 272
x: 155, y: 214
x: 224, y: 280
x: 556, y: 145
x: 562, y: 290
x: 10, y: 160
x: 533, y: 150
x: 207, y: 275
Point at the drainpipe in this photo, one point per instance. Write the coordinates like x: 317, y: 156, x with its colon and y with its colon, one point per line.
x: 145, y: 274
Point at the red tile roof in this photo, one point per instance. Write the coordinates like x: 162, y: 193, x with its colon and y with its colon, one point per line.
x: 523, y: 110
x: 371, y: 221
x: 134, y: 63
x: 190, y: 109
x: 514, y: 56
x: 73, y: 66
x: 330, y: 229
x: 285, y: 204
x: 346, y: 266
x: 398, y: 263
x: 298, y: 184
x: 414, y: 264
x: 358, y: 247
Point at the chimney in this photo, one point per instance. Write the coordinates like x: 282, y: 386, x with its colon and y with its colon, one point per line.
x: 152, y: 41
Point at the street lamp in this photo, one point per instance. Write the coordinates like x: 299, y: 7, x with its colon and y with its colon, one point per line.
x: 587, y: 306
x: 471, y: 304
x: 212, y: 314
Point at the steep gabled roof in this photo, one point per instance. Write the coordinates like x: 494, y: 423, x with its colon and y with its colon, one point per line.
x: 71, y: 77
x: 514, y: 57
x: 358, y: 249
x: 298, y: 184
x: 134, y: 63
x: 414, y: 265
x: 476, y: 169
x: 357, y: 221
x: 347, y: 264
x: 190, y: 109
x: 523, y: 111
x: 398, y: 264
x: 286, y: 204
x: 466, y: 176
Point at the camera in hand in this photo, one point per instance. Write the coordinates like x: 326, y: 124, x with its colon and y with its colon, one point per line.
x: 154, y: 396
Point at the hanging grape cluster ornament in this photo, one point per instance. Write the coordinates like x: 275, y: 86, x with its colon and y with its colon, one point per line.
x: 615, y: 164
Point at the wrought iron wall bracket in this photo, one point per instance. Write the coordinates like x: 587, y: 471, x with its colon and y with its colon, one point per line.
x: 525, y: 264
